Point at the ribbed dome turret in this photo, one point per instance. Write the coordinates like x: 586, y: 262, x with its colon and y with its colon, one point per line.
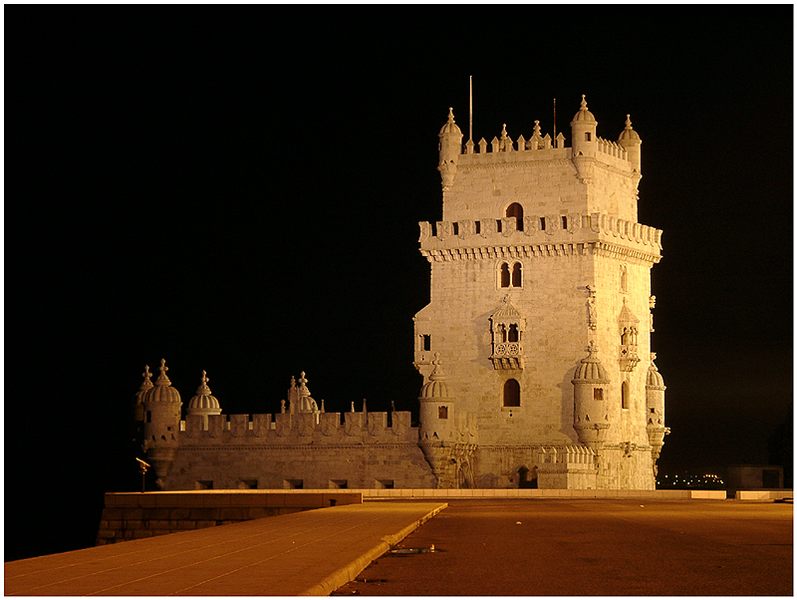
x: 628, y: 134
x: 590, y: 370
x: 163, y: 390
x: 436, y: 386
x: 204, y: 401
x: 450, y: 127
x: 583, y: 115
x: 655, y: 380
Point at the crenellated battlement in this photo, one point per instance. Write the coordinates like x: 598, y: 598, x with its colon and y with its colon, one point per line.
x: 507, y: 151
x: 537, y: 229
x: 567, y: 456
x: 300, y: 428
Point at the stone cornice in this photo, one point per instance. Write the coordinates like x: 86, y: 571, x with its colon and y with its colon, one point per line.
x: 594, y: 248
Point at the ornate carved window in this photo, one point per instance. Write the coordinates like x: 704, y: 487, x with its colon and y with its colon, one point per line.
x: 629, y: 331
x: 511, y: 396
x: 507, y: 327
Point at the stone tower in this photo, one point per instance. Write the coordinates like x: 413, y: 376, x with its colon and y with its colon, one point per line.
x: 538, y: 262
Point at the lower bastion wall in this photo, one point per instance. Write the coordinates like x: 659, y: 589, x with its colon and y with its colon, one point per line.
x: 299, y: 451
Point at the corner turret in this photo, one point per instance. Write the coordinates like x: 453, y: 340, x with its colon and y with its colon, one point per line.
x: 436, y: 412
x: 450, y: 149
x: 630, y: 140
x: 654, y: 396
x: 583, y: 130
x: 162, y: 406
x: 437, y: 430
x: 146, y: 385
x: 204, y: 403
x: 590, y: 391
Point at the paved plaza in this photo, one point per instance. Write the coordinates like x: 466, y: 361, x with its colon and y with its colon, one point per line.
x: 593, y: 548
x: 485, y: 547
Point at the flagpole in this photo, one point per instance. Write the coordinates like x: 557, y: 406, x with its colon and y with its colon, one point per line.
x: 470, y: 109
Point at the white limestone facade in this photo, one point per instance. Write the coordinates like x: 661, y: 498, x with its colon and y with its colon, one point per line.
x: 535, y: 347
x: 538, y: 257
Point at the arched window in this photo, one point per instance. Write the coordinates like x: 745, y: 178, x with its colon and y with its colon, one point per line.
x: 517, y: 274
x: 516, y: 211
x: 504, y: 275
x: 624, y: 393
x: 511, y: 393
x: 513, y: 333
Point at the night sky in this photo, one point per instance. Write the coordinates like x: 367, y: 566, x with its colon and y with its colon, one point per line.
x: 239, y: 191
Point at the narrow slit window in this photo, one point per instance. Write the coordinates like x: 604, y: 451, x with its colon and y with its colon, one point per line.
x: 478, y: 227
x: 456, y: 228
x: 442, y: 412
x: 542, y: 223
x: 624, y: 395
x: 564, y: 222
x: 426, y: 342
x: 597, y: 394
x: 588, y: 136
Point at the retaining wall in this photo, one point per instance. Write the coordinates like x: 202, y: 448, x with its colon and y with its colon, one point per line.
x: 129, y: 516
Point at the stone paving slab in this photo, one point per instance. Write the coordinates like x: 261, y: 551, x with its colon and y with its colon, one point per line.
x: 308, y: 553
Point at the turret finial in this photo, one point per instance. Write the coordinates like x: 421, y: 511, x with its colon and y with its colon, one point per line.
x: 503, y: 132
x: 592, y: 347
x: 437, y: 372
x: 163, y: 379
x: 583, y: 102
x: 628, y: 122
x: 536, y: 127
x: 451, y: 114
x: 147, y: 383
x: 203, y: 389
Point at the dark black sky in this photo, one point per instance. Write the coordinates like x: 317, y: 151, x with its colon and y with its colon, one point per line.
x: 238, y: 190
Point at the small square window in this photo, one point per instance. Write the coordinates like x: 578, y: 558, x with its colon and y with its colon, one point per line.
x: 338, y: 484
x: 293, y: 484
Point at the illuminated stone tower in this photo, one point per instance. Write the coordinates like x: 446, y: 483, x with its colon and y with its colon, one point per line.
x: 540, y: 310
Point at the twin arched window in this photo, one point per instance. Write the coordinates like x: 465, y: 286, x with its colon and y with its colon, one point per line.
x: 511, y: 276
